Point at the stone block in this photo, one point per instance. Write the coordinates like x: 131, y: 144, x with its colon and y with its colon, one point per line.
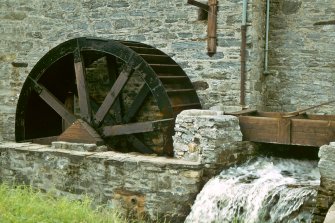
x: 210, y: 137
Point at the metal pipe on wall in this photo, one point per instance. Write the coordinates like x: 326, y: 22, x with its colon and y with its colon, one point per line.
x: 266, y: 56
x: 243, y: 53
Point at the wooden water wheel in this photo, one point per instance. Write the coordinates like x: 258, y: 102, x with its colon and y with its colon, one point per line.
x: 123, y: 94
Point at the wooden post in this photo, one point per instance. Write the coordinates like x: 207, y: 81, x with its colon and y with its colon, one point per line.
x: 212, y: 19
x: 211, y: 30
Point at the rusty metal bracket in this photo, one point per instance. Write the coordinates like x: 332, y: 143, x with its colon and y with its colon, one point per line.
x: 211, y: 8
x: 324, y: 23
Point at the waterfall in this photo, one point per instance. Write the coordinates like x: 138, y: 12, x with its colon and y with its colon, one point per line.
x: 265, y: 189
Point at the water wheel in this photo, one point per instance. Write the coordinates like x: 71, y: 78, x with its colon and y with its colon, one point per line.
x: 119, y: 93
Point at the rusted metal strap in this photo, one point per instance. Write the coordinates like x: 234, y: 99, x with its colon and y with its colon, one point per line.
x: 243, y: 112
x: 331, y: 22
x: 299, y: 112
x: 198, y: 4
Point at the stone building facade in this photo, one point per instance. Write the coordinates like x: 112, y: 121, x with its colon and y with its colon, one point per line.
x: 301, y: 56
x: 300, y: 69
x: 300, y: 72
x: 31, y: 28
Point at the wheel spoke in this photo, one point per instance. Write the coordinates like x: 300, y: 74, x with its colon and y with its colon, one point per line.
x: 112, y: 73
x: 108, y: 118
x: 69, y: 105
x: 53, y: 102
x: 133, y: 128
x: 112, y: 95
x: 137, y: 103
x: 138, y: 145
x: 83, y: 96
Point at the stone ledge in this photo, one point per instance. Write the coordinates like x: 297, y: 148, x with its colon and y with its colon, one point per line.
x: 111, y: 178
x: 108, y: 155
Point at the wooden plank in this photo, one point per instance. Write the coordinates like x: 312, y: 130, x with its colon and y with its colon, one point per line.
x: 138, y: 144
x: 284, y: 131
x: 112, y: 95
x: 137, y: 103
x: 259, y: 129
x: 270, y: 114
x: 260, y: 136
x: 112, y: 73
x: 198, y: 4
x: 211, y: 29
x: 83, y: 96
x: 156, y: 59
x: 133, y: 128
x: 53, y: 102
x: 312, y: 126
x: 310, y: 139
x: 180, y: 91
x: 321, y: 117
x: 295, y: 131
x: 250, y: 122
x: 242, y: 112
x: 167, y: 69
x: 69, y: 105
x: 80, y: 132
x: 145, y: 50
x: 312, y: 132
x: 301, y: 116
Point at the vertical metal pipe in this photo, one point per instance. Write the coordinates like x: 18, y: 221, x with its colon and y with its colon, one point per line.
x: 266, y: 56
x: 243, y: 64
x: 244, y: 12
x: 243, y: 53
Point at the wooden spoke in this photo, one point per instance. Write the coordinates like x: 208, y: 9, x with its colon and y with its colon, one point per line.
x: 69, y: 105
x: 108, y: 118
x: 137, y: 103
x: 112, y: 72
x: 138, y: 144
x: 112, y: 95
x: 83, y: 96
x: 133, y: 128
x: 53, y: 102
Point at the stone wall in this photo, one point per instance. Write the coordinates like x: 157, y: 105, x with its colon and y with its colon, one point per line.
x: 326, y: 192
x: 301, y: 56
x: 140, y: 186
x: 211, y: 138
x: 301, y: 64
x: 30, y: 28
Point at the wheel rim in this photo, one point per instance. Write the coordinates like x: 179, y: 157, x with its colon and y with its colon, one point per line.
x: 122, y: 94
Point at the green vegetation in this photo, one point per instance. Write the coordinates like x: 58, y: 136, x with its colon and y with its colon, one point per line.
x: 24, y: 204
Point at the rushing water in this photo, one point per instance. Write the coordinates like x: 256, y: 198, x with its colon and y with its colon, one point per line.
x: 263, y: 190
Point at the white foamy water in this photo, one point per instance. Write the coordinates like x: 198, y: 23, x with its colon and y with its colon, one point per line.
x: 263, y: 190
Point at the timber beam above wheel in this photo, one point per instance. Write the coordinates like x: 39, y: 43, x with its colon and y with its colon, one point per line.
x: 122, y: 93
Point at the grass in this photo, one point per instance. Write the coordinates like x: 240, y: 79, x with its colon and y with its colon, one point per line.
x: 24, y: 204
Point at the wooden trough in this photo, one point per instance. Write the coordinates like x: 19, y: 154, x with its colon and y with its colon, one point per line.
x: 286, y: 128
